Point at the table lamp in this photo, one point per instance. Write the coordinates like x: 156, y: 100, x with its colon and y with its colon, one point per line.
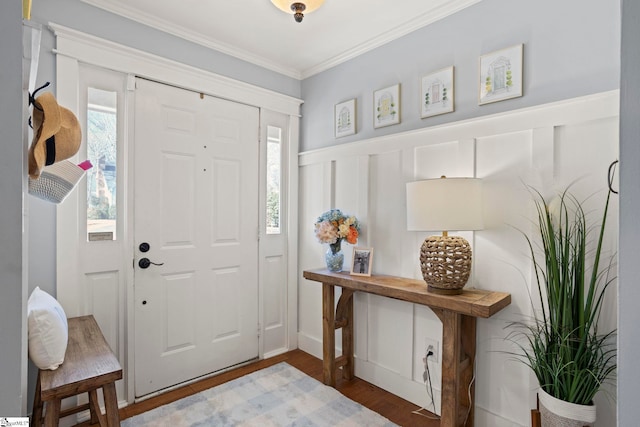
x: 445, y: 204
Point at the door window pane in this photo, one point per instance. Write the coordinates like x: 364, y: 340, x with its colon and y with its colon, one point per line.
x: 102, y: 152
x: 274, y: 148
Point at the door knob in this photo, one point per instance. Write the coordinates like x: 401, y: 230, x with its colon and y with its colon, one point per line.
x: 146, y: 262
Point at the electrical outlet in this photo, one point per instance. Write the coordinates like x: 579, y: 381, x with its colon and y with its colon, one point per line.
x: 433, y: 346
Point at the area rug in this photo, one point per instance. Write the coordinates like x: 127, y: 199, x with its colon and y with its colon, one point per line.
x: 280, y: 395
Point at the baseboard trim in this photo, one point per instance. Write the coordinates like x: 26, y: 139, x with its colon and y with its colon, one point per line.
x: 386, y: 379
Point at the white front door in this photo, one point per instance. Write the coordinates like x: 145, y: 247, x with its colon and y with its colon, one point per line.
x: 196, y: 207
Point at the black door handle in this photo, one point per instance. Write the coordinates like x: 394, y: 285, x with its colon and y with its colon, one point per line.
x: 146, y: 262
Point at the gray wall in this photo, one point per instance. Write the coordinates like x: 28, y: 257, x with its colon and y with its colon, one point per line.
x: 629, y: 268
x: 12, y: 294
x: 571, y: 48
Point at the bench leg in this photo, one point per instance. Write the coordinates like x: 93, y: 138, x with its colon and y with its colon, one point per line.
x: 36, y: 415
x: 52, y: 414
x: 94, y: 409
x: 111, y: 405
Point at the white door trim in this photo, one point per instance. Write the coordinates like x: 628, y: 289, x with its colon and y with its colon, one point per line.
x: 74, y: 47
x: 103, y: 53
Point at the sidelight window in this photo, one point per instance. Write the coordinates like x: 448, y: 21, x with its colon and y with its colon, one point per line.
x: 102, y: 152
x: 274, y: 173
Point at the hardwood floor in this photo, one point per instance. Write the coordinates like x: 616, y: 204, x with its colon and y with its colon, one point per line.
x: 388, y: 405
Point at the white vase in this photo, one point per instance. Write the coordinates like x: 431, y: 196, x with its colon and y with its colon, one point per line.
x: 558, y: 413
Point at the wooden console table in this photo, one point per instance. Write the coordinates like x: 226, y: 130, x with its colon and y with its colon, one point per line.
x: 458, y: 314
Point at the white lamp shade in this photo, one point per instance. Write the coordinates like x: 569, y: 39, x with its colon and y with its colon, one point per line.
x: 444, y: 204
x: 285, y: 5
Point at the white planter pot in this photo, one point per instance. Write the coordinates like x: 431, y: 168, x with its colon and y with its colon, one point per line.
x: 558, y: 413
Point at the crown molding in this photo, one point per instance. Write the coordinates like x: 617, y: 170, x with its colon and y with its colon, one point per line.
x: 418, y: 22
x: 192, y: 36
x: 437, y: 13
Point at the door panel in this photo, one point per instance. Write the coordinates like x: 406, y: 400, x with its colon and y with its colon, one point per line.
x: 196, y: 204
x: 273, y: 243
x: 177, y: 214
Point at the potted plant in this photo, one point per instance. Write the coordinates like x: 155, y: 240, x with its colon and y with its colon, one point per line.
x: 569, y: 355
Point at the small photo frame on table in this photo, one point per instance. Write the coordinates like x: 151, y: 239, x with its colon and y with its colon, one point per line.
x: 362, y: 261
x: 500, y: 75
x: 437, y: 93
x: 386, y: 106
x: 345, y: 118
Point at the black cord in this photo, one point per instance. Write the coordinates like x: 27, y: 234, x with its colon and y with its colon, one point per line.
x: 426, y: 365
x: 426, y: 377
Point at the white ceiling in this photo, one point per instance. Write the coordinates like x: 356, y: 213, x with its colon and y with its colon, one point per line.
x: 258, y: 32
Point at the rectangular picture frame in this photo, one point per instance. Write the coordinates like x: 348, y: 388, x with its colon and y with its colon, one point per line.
x: 344, y: 115
x: 386, y: 106
x: 500, y: 75
x: 362, y: 261
x: 437, y: 95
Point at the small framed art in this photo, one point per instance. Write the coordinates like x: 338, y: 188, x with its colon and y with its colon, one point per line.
x: 386, y: 106
x: 437, y: 93
x: 501, y: 75
x: 362, y: 261
x: 345, y: 118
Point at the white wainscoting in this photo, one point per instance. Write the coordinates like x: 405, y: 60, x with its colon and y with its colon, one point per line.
x: 547, y: 147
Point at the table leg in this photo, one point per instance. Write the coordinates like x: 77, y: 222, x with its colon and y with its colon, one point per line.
x: 467, y: 387
x: 328, y: 335
x: 458, y: 355
x: 344, y: 320
x: 451, y: 349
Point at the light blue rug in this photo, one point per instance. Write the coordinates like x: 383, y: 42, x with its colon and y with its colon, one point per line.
x: 276, y: 396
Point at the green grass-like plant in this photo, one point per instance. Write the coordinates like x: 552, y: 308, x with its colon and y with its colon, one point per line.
x: 562, y: 344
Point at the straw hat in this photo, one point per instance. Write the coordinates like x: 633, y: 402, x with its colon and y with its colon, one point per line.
x: 56, y: 134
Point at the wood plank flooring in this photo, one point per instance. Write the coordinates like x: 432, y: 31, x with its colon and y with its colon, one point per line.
x: 388, y: 405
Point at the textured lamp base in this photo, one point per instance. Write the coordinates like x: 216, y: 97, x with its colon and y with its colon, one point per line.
x: 443, y: 291
x: 445, y: 263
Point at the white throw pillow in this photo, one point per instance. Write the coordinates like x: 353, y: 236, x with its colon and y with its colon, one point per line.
x: 48, y: 330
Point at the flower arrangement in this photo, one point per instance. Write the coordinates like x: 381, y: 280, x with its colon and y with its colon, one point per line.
x: 333, y: 226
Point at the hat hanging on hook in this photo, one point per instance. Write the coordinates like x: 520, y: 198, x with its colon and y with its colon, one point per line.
x: 56, y: 133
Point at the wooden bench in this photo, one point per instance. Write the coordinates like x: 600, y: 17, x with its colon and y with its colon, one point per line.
x: 89, y: 364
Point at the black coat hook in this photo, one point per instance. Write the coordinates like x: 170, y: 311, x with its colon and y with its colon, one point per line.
x: 32, y: 97
x: 612, y: 172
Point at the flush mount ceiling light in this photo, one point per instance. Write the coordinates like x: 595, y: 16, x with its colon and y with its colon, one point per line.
x: 297, y: 7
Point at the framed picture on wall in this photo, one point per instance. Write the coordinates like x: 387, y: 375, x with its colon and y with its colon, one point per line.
x: 500, y: 75
x: 362, y: 261
x: 345, y: 118
x: 386, y: 106
x: 437, y: 93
